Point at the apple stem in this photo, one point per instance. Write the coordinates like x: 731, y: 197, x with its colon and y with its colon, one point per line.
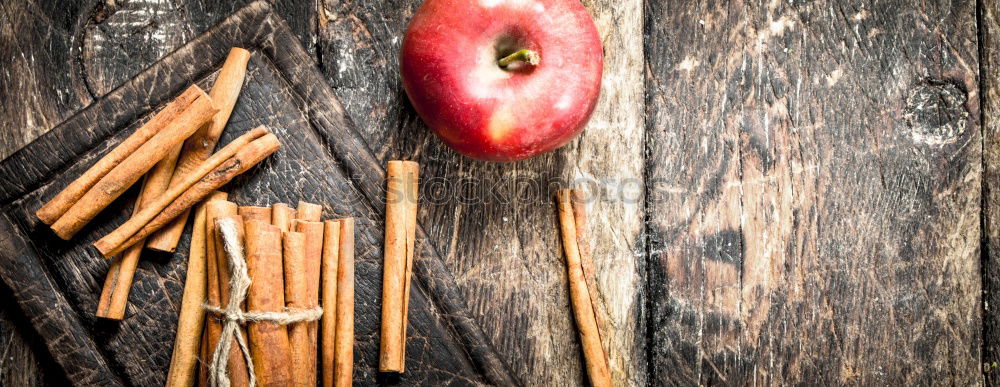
x: 524, y: 55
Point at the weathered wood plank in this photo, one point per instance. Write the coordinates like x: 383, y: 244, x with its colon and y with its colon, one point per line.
x: 38, y: 86
x: 36, y: 92
x: 989, y: 49
x: 21, y: 364
x: 122, y: 38
x: 814, y: 175
x: 496, y: 223
x: 608, y: 165
x: 38, y: 296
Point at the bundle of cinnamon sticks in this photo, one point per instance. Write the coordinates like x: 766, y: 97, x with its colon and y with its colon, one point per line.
x: 296, y: 263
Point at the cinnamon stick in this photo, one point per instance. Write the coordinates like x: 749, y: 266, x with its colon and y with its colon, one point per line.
x: 309, y: 212
x: 190, y: 323
x: 128, y: 171
x: 412, y: 169
x: 251, y: 213
x: 235, y: 158
x: 236, y: 366
x: 331, y: 258
x: 313, y: 232
x: 58, y: 205
x: 197, y: 148
x: 587, y: 264
x: 213, y: 323
x: 118, y: 283
x: 344, y: 350
x: 251, y: 228
x: 269, y: 346
x: 296, y: 297
x: 583, y: 309
x: 282, y: 216
x: 206, y: 358
x: 400, y: 235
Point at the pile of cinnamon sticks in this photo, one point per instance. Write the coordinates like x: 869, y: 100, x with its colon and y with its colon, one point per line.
x: 174, y: 150
x: 296, y: 262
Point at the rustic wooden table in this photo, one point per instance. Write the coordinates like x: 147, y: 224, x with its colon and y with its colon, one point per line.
x: 788, y: 191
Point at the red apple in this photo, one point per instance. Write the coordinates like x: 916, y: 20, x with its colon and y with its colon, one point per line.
x: 503, y: 80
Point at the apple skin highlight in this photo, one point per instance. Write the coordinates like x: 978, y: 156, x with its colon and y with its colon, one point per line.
x: 451, y: 72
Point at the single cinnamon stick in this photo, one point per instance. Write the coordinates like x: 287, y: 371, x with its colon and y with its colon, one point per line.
x: 225, y: 92
x: 400, y: 235
x: 58, y: 205
x: 126, y: 173
x: 313, y: 232
x: 251, y: 213
x: 269, y: 346
x: 251, y: 228
x: 126, y: 262
x: 328, y: 327
x: 236, y: 367
x: 587, y: 263
x: 344, y: 350
x: 213, y: 323
x: 190, y: 323
x: 296, y: 297
x: 179, y: 198
x: 309, y: 212
x: 583, y: 309
x: 282, y: 216
x: 118, y: 283
x: 412, y: 169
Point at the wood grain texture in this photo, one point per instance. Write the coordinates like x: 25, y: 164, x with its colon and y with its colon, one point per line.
x: 18, y: 366
x: 446, y: 345
x: 815, y: 174
x: 38, y: 53
x: 989, y: 50
x: 25, y: 361
x: 121, y: 38
x: 517, y: 289
x: 38, y: 297
x: 35, y: 94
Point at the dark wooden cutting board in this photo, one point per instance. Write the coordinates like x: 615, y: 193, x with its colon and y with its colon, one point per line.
x: 323, y: 160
